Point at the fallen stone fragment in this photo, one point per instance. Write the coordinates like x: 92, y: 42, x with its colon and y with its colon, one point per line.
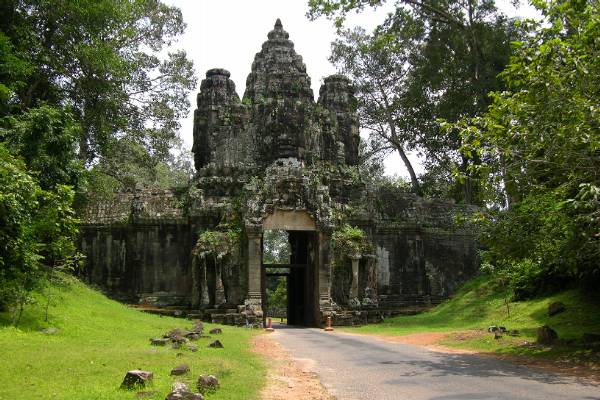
x: 174, y: 333
x: 136, y: 378
x: 216, y: 344
x: 546, y: 335
x: 192, y: 336
x: 493, y: 328
x: 180, y: 370
x: 198, y: 327
x: 49, y: 331
x: 207, y: 383
x: 159, y: 342
x: 556, y: 308
x: 176, y: 345
x: 178, y: 339
x: 180, y: 391
x: 192, y: 347
x: 215, y: 331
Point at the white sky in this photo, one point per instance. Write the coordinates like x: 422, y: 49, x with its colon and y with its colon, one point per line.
x: 228, y: 33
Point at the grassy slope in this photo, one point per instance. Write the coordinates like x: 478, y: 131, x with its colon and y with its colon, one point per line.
x: 100, y: 340
x: 480, y: 303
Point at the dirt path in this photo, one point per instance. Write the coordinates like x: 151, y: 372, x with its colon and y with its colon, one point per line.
x: 287, y: 378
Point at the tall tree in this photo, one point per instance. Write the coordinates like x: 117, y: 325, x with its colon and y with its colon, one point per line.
x: 105, y: 60
x: 540, y: 139
x: 454, y: 58
x: 377, y: 64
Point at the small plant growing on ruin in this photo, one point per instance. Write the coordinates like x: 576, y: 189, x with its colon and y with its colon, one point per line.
x: 350, y: 240
x: 220, y: 242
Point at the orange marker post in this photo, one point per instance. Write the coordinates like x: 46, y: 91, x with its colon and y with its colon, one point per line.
x: 328, y: 328
x: 269, y: 326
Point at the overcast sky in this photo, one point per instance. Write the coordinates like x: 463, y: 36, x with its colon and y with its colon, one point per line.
x: 228, y: 33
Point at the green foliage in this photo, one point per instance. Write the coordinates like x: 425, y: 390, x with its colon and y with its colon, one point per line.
x: 278, y: 297
x: 276, y: 247
x: 37, y: 229
x: 428, y: 60
x: 480, y: 304
x: 105, y: 60
x: 350, y: 241
x: 45, y: 137
x: 540, y: 142
x: 218, y: 243
x: 102, y: 339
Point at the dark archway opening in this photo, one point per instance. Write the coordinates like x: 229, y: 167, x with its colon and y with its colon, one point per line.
x: 293, y: 267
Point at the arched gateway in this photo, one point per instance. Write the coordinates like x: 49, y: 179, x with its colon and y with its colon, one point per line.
x: 276, y: 159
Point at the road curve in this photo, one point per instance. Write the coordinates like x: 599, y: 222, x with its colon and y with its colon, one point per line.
x: 356, y: 367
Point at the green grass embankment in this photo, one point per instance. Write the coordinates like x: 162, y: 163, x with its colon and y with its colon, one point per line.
x: 481, y: 303
x: 100, y: 339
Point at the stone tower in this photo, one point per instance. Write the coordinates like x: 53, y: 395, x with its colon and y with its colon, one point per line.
x: 277, y: 117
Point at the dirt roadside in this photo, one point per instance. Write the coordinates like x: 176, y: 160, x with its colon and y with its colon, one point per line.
x: 287, y: 378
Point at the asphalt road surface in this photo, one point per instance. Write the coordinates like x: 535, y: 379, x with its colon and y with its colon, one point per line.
x: 358, y: 367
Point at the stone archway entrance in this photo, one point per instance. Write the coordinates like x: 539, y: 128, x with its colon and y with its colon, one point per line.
x: 301, y: 272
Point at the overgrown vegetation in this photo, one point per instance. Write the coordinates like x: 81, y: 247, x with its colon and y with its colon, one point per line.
x: 481, y: 303
x: 350, y: 241
x: 98, y: 340
x: 427, y: 60
x: 89, y: 104
x: 540, y: 139
x: 220, y: 242
x: 506, y: 114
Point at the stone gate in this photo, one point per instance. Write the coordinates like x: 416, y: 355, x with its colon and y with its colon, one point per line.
x: 276, y: 159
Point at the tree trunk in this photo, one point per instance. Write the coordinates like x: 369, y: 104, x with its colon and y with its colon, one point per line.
x: 413, y: 177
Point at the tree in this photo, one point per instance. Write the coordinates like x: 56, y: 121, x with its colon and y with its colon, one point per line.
x: 37, y: 231
x: 456, y: 50
x: 377, y: 66
x: 104, y: 59
x: 82, y: 83
x: 540, y: 140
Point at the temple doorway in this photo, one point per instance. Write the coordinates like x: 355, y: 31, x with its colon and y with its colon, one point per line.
x: 289, y: 272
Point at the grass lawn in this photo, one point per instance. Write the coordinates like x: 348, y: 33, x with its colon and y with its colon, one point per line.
x: 100, y: 339
x: 480, y: 303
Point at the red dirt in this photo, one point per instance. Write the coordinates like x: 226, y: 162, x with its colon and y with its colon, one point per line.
x: 287, y: 378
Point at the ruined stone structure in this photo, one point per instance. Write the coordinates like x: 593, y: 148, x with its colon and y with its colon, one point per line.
x: 276, y: 159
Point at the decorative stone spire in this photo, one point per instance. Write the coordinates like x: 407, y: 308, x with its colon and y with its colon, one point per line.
x: 277, y: 71
x: 278, y: 32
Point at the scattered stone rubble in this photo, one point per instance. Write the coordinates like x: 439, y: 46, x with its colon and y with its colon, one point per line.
x: 137, y: 379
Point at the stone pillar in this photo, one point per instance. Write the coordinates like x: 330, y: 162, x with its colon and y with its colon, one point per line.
x: 324, y: 265
x: 195, y: 282
x: 354, y: 287
x: 204, y: 297
x: 220, y: 297
x: 253, y: 300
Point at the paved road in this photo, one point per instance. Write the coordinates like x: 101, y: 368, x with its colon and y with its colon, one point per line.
x: 357, y: 367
